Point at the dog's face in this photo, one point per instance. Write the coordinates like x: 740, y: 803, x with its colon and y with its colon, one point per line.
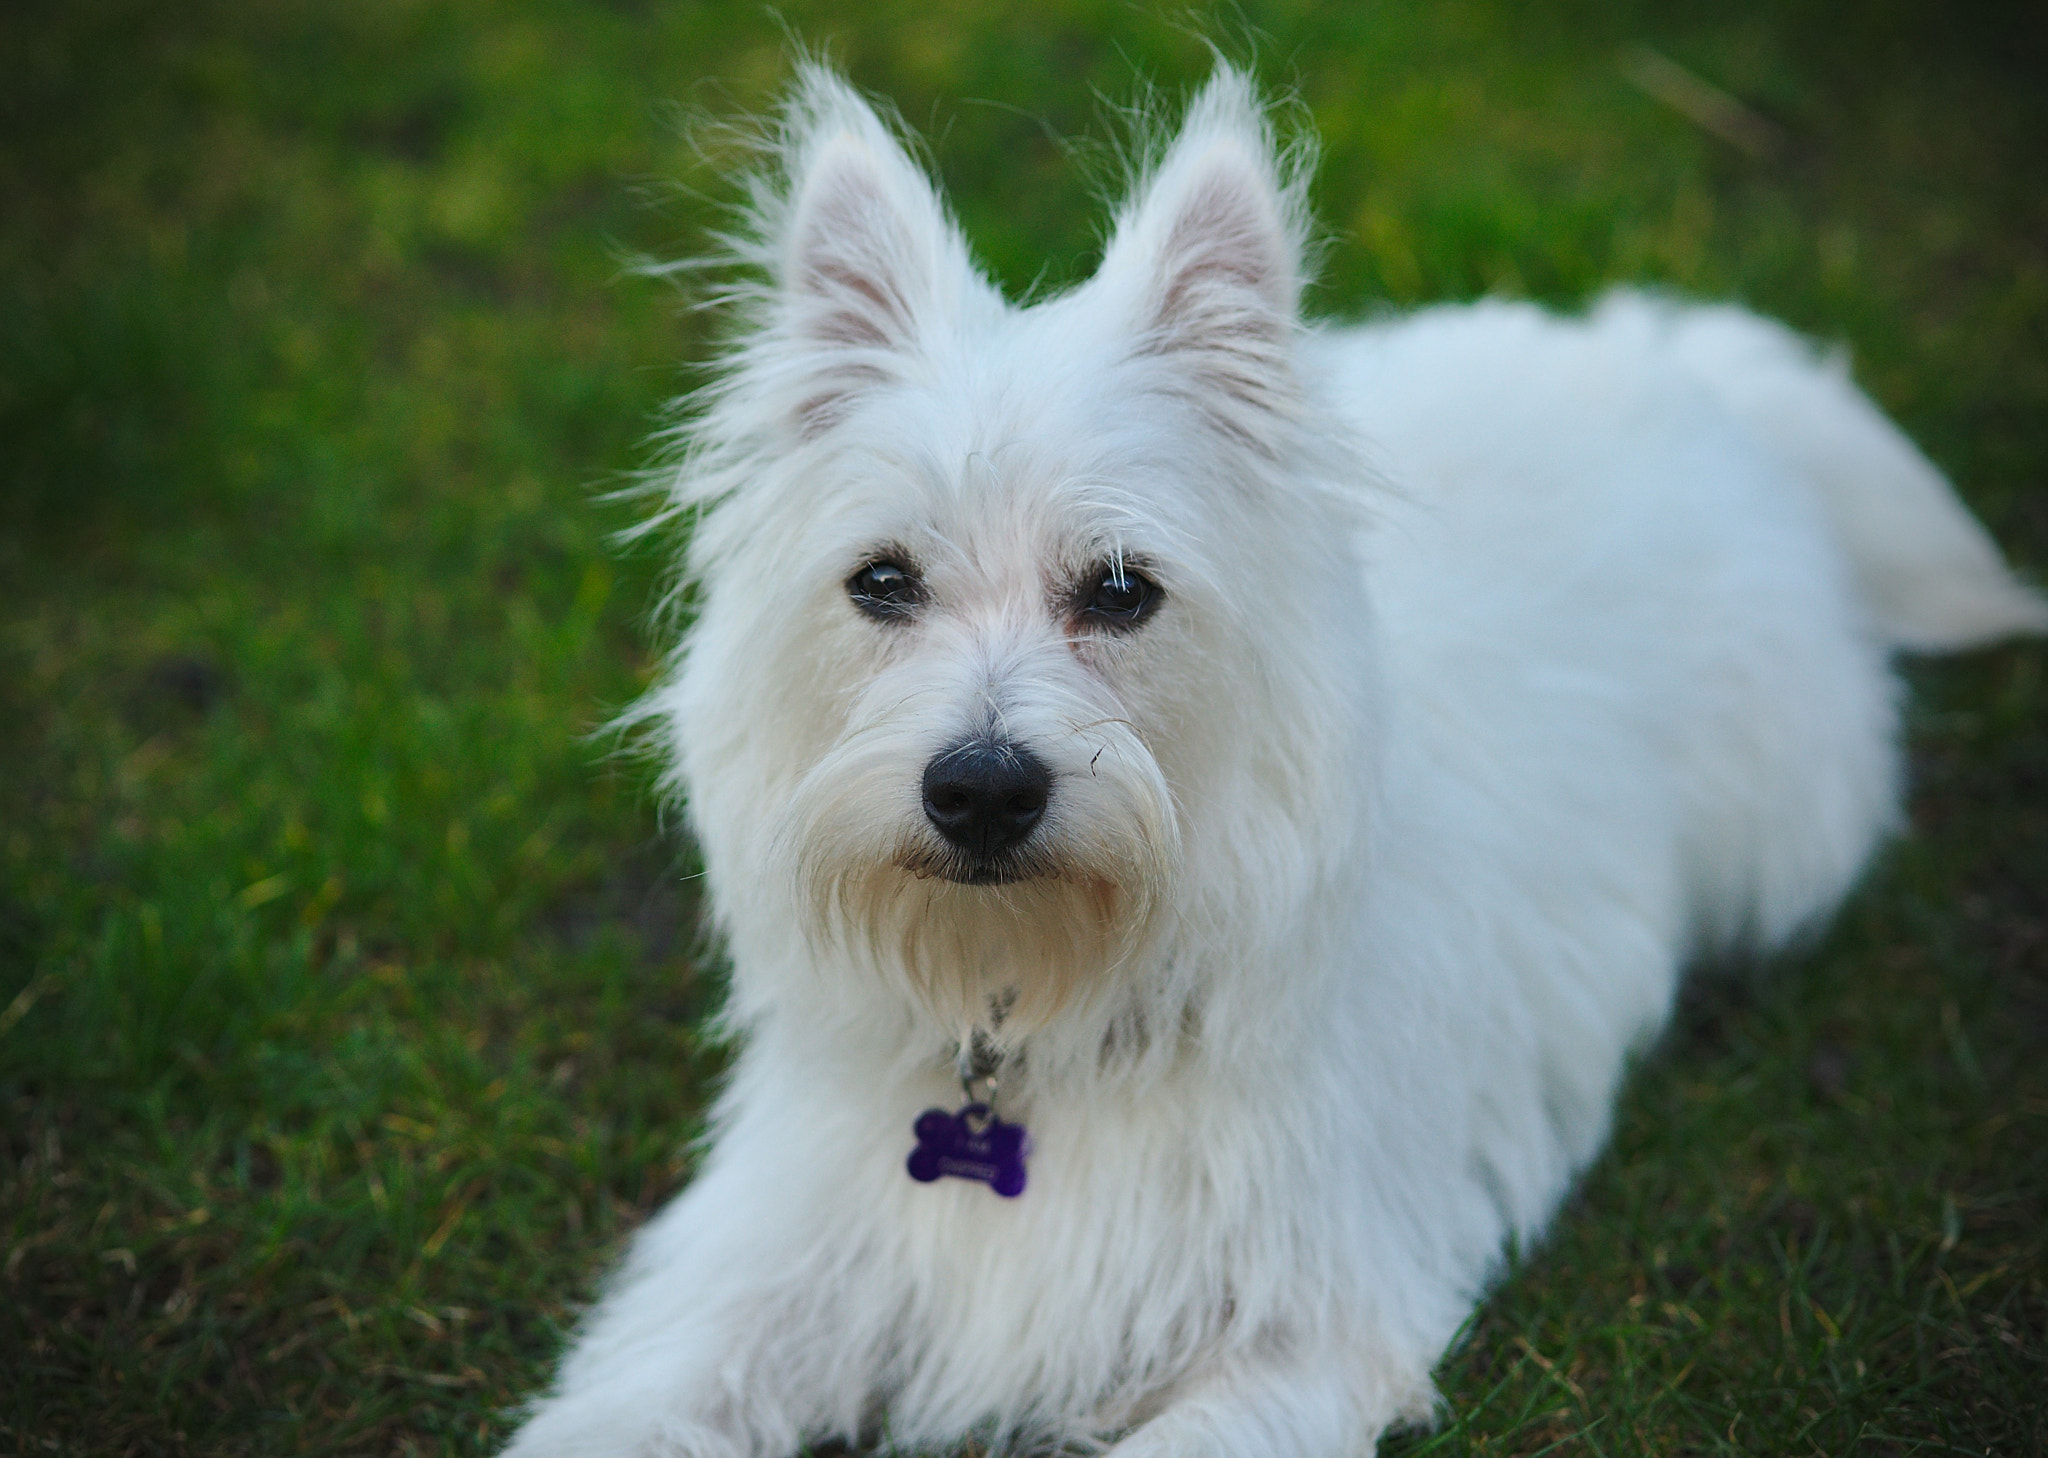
x: 999, y: 604
x: 988, y: 807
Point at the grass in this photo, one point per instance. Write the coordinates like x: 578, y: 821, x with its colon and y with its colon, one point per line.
x: 349, y: 1017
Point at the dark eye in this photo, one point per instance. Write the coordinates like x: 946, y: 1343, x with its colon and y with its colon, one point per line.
x: 885, y: 589
x: 1122, y: 597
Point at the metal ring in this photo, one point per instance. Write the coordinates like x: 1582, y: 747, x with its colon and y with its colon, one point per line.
x: 978, y: 1063
x: 967, y: 1088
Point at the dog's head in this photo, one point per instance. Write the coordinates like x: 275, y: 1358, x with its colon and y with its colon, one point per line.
x: 1029, y: 637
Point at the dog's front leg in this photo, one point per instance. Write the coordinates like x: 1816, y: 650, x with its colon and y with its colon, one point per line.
x: 706, y: 1388
x: 723, y: 1337
x: 1283, y: 1402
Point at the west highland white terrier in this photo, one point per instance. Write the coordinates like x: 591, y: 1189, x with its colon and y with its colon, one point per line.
x: 1281, y: 770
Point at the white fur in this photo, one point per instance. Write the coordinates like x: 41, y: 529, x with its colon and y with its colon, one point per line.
x: 1506, y: 663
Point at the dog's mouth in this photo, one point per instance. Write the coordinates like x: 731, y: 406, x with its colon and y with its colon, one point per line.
x: 983, y: 876
x: 947, y: 864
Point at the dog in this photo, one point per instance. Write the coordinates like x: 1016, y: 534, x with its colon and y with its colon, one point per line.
x: 1203, y: 806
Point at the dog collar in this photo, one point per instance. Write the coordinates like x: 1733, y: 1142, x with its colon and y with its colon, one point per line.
x: 972, y: 1143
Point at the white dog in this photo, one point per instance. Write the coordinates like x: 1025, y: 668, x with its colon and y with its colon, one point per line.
x: 1283, y: 769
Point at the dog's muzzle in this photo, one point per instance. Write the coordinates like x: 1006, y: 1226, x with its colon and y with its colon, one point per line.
x: 985, y: 797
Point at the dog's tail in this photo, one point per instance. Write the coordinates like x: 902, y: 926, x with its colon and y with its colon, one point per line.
x: 1930, y: 575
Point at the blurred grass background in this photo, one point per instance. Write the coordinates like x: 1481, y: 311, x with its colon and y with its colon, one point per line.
x: 349, y: 1003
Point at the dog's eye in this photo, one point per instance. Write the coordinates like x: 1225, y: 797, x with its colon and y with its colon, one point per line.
x: 1121, y: 598
x: 885, y: 589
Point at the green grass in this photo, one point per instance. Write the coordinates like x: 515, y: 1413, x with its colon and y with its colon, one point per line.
x: 349, y: 1010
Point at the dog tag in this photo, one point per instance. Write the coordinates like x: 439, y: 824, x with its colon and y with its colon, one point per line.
x: 970, y: 1145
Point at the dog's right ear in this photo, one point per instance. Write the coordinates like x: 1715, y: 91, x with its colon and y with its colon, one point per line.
x: 868, y: 261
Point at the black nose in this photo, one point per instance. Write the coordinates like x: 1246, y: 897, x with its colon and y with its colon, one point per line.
x: 985, y: 796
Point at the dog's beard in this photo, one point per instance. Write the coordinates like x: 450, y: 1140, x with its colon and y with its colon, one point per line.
x: 1024, y: 936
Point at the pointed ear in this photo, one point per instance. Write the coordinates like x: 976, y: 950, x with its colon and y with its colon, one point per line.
x: 867, y: 261
x: 1207, y: 258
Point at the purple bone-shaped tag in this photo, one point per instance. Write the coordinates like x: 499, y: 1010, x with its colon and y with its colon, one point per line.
x: 971, y: 1145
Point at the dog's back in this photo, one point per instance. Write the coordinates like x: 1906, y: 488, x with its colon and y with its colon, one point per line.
x: 1928, y: 574
x: 1662, y: 552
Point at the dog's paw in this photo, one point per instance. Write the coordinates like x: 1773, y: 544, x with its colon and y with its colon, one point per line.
x: 630, y: 1430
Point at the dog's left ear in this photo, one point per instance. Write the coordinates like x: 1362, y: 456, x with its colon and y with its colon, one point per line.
x: 868, y: 262
x: 1207, y: 259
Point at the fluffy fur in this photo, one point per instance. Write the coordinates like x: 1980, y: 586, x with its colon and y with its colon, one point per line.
x: 1502, y: 664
